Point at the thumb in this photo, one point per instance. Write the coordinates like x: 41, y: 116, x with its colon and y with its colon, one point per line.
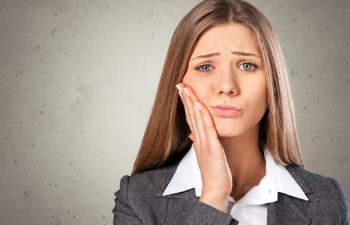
x: 191, y: 136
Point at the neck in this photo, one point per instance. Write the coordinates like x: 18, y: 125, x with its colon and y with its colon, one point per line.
x: 246, y: 162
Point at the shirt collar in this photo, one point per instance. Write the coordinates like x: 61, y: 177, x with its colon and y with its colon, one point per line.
x: 277, y: 179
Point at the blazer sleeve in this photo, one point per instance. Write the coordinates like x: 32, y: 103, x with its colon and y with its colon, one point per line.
x: 202, y: 213
x: 196, y: 213
x: 343, y: 203
x: 123, y: 214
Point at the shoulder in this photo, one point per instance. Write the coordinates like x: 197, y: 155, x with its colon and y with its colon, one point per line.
x: 155, y: 180
x: 147, y: 183
x: 313, y: 181
x: 139, y: 196
x: 323, y: 192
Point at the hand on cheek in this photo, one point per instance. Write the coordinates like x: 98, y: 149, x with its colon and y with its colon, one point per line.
x: 216, y: 175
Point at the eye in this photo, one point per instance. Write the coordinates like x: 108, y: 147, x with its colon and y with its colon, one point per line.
x: 204, y: 68
x: 248, y: 66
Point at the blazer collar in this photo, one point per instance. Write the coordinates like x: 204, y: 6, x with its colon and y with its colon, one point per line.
x: 286, y: 209
x: 277, y: 179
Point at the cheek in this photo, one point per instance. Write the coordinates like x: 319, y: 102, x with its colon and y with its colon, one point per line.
x: 257, y: 94
x: 201, y: 87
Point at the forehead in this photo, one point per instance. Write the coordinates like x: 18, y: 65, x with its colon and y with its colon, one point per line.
x: 230, y: 37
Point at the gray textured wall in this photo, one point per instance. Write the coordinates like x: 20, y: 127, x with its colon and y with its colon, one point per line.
x: 78, y: 79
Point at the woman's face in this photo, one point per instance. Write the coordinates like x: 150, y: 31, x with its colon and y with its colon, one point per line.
x: 226, y: 67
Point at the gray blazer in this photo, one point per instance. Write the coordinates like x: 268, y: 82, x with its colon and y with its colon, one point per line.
x: 139, y: 201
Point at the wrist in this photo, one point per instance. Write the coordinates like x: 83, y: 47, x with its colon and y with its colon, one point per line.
x: 216, y: 200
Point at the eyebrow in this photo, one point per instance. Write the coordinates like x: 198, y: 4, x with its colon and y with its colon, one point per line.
x: 218, y: 53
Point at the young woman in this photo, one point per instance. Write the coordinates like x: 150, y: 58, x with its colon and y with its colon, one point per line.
x: 222, y: 148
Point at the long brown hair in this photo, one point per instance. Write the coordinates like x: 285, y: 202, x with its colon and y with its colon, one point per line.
x: 166, y: 137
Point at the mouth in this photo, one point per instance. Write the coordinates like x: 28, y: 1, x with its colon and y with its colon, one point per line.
x: 226, y: 110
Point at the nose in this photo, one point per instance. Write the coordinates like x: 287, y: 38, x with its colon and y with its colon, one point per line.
x: 227, y: 83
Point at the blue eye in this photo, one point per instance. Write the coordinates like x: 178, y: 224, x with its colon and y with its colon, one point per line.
x: 204, y: 68
x: 248, y: 66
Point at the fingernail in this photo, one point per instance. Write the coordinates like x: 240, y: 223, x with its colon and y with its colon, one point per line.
x: 180, y: 91
x: 198, y: 106
x: 188, y: 93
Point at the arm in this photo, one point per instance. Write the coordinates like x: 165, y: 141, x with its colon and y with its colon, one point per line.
x: 123, y: 214
x: 343, y: 203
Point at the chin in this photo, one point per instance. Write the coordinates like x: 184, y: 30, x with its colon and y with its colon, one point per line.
x: 233, y: 127
x: 229, y: 131
x: 228, y: 134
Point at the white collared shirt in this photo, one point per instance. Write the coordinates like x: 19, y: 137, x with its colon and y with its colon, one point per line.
x: 252, y: 207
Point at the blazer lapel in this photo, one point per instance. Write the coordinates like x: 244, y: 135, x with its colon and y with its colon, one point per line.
x: 288, y: 209
x: 179, y: 204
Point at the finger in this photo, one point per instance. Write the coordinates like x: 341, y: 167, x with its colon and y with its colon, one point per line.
x: 198, y: 106
x: 188, y: 109
x: 191, y: 115
x: 188, y: 120
x: 204, y: 121
x: 199, y: 147
x: 191, y: 136
x: 209, y: 127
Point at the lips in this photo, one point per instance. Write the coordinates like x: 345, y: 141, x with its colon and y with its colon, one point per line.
x: 224, y: 106
x: 226, y: 110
